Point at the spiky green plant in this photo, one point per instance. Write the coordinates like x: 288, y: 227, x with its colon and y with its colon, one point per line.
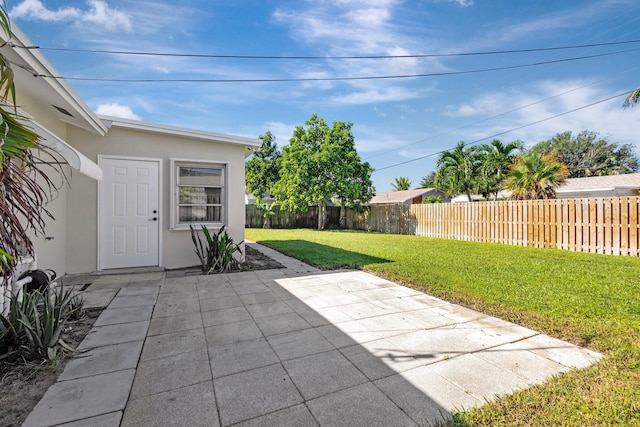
x: 216, y: 254
x: 34, y: 324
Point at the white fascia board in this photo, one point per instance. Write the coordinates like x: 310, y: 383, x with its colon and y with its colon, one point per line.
x: 111, y: 121
x: 588, y: 190
x: 41, y: 65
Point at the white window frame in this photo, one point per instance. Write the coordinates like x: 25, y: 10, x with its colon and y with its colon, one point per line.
x: 174, y: 199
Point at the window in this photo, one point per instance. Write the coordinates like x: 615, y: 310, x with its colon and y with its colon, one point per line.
x: 199, y: 193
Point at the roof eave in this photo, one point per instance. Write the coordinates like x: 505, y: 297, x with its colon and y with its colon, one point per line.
x: 41, y: 66
x: 248, y: 143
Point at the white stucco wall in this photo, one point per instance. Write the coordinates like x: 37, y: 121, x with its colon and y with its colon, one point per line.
x: 177, y: 247
x: 50, y: 253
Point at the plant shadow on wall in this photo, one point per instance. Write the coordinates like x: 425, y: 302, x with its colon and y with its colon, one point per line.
x: 322, y: 256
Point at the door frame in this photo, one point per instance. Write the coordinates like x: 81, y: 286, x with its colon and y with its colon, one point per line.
x: 100, y: 201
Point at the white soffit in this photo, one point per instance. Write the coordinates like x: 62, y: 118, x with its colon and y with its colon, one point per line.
x: 76, y: 159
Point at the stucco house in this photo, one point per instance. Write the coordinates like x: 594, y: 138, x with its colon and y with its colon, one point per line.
x: 405, y: 197
x: 600, y: 186
x: 135, y: 187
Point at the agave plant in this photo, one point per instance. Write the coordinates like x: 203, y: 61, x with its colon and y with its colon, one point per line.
x: 35, y: 323
x: 217, y: 252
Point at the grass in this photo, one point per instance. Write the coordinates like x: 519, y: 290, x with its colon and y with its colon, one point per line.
x: 588, y: 299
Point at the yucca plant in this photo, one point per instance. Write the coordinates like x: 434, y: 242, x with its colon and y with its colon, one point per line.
x: 34, y: 325
x: 216, y: 254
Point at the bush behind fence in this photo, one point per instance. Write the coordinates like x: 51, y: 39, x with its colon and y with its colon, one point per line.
x: 607, y: 225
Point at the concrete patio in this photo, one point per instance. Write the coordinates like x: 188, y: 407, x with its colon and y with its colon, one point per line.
x: 289, y: 347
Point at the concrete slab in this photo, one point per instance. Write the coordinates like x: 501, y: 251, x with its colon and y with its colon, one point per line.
x: 193, y: 405
x: 178, y: 281
x: 254, y: 393
x: 244, y: 288
x: 242, y: 356
x: 114, y: 334
x: 183, y: 287
x: 171, y: 372
x: 167, y: 325
x: 269, y: 309
x: 207, y: 291
x: 362, y: 405
x: 113, y: 316
x: 159, y: 346
x: 101, y: 360
x: 281, y: 323
x: 133, y: 301
x: 220, y: 303
x: 258, y: 298
x: 97, y: 299
x: 221, y: 317
x: 138, y: 290
x: 295, y: 416
x: 323, y: 373
x: 232, y: 332
x: 425, y: 396
x: 173, y: 308
x: 379, y: 359
x: 108, y: 420
x: 559, y: 351
x: 73, y: 400
x: 296, y: 344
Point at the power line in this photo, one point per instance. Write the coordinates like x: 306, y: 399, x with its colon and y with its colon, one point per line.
x: 316, y: 79
x: 513, y: 110
x: 508, y: 131
x: 302, y: 57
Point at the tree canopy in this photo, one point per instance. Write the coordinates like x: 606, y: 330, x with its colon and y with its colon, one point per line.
x: 588, y: 154
x: 429, y: 180
x: 458, y: 170
x: 321, y: 164
x: 262, y: 170
x: 536, y: 176
x: 401, y: 183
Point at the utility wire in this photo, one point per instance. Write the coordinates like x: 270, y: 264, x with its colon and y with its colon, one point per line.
x: 513, y: 110
x: 302, y: 57
x: 508, y: 131
x: 315, y: 79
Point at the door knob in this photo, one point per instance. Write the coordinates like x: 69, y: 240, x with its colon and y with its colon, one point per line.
x: 153, y: 219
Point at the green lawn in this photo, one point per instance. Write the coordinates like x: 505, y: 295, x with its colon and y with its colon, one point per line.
x: 591, y: 300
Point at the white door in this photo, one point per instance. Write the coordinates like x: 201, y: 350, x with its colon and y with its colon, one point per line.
x: 129, y: 220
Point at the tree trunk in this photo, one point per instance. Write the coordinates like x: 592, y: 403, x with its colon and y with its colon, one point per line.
x: 343, y: 217
x: 322, y: 215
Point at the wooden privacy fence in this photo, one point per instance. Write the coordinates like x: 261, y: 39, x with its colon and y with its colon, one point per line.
x: 284, y: 219
x: 598, y: 225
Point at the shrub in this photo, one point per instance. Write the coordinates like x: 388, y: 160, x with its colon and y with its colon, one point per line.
x: 217, y: 253
x: 34, y: 325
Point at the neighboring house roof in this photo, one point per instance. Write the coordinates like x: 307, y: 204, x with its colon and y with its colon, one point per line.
x: 248, y: 143
x: 399, y: 196
x: 601, y: 183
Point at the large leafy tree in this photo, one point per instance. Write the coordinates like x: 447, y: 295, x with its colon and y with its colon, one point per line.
x: 262, y: 170
x: 536, y: 176
x: 495, y: 160
x: 401, y: 183
x: 458, y: 170
x: 588, y: 154
x: 321, y: 164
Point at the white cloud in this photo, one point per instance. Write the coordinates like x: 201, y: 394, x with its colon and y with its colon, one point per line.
x: 374, y: 95
x: 117, y: 110
x: 98, y: 13
x: 463, y: 3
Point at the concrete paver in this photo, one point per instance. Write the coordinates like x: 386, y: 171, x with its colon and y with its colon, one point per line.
x: 289, y: 347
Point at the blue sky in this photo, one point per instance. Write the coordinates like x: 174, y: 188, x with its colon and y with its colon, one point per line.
x: 395, y: 120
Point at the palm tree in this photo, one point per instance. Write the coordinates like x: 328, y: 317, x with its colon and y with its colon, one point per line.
x: 24, y: 186
x: 536, y: 176
x: 401, y: 183
x: 457, y: 170
x: 496, y: 159
x: 632, y: 99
